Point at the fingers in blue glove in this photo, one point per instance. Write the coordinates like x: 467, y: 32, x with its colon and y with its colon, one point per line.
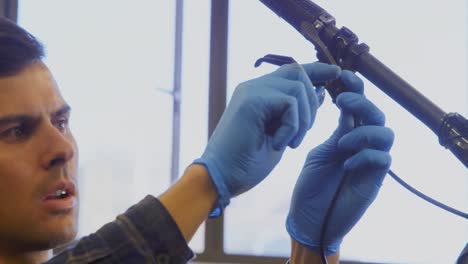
x: 295, y: 80
x: 352, y: 82
x: 356, y: 105
x: 305, y: 111
x: 308, y: 73
x: 368, y: 169
x: 322, y: 72
x: 285, y: 107
x: 368, y: 159
x: 316, y: 71
x: 374, y: 137
x: 371, y: 161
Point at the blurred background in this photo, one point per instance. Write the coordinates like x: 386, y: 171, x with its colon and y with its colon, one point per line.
x: 147, y: 80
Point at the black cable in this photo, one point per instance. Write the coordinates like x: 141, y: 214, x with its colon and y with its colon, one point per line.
x: 327, y: 217
x: 323, y: 231
x: 427, y: 198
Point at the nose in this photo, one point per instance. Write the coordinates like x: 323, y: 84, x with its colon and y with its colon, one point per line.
x: 59, y: 147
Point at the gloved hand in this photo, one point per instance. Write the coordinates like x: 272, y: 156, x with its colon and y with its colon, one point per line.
x: 360, y: 152
x: 263, y: 117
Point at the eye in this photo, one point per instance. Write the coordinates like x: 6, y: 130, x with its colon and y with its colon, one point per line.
x: 15, y: 133
x: 62, y: 124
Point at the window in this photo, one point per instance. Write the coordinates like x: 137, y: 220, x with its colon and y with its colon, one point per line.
x: 425, y: 47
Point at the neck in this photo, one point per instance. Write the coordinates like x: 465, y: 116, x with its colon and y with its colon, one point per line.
x: 35, y: 257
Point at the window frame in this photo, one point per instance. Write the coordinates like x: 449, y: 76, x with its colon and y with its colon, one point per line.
x: 9, y: 9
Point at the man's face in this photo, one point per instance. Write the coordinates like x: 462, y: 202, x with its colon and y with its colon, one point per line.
x: 38, y: 159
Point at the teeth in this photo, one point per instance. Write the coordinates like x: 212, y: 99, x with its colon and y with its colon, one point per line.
x: 61, y: 193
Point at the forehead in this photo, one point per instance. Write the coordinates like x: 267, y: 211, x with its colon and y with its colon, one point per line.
x: 31, y: 90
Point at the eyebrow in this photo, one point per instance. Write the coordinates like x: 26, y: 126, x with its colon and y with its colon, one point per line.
x: 65, y: 109
x: 22, y: 118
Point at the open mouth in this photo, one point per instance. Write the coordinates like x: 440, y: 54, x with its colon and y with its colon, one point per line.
x: 60, y: 198
x: 61, y: 190
x: 59, y: 194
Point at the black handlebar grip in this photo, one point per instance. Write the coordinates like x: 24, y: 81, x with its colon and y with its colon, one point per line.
x: 295, y: 12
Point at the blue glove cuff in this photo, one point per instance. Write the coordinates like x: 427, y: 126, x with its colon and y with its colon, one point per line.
x: 216, y: 176
x: 302, y: 238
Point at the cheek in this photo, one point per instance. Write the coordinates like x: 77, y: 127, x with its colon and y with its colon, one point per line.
x: 15, y: 172
x: 18, y: 194
x: 17, y: 180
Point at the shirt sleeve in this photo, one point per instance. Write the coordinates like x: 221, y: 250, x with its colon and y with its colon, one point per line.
x: 145, y: 233
x: 463, y: 258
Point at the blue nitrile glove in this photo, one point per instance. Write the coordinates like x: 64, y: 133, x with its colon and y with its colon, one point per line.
x: 263, y: 117
x: 362, y: 152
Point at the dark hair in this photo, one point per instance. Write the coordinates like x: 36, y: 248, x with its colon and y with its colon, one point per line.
x: 18, y: 48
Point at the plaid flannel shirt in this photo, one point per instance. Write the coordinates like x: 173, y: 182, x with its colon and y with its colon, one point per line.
x: 145, y: 233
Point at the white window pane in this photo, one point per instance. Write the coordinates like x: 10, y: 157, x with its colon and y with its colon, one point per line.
x: 194, y: 91
x: 423, y: 45
x: 129, y: 158
x: 111, y: 58
x: 130, y: 37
